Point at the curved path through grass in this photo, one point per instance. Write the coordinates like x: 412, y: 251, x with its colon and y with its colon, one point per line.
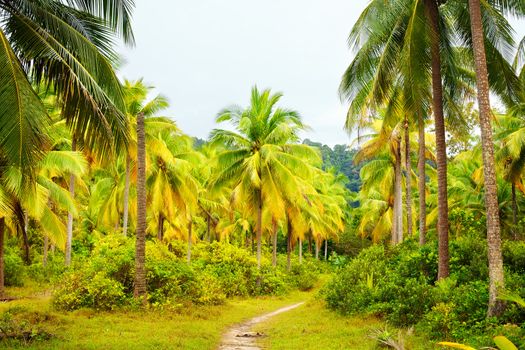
x: 240, y: 337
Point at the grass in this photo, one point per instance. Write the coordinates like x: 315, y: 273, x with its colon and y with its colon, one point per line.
x: 312, y: 326
x: 187, y: 328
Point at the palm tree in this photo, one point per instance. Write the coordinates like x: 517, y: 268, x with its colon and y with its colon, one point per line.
x: 413, y: 40
x: 172, y: 181
x: 135, y: 97
x: 511, y: 155
x: 496, y: 278
x: 139, y: 290
x: 263, y: 156
x: 68, y: 47
x: 386, y: 142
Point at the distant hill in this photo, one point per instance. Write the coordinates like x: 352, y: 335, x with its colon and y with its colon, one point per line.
x: 342, y: 159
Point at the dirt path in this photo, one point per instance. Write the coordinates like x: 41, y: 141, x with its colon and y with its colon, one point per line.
x: 240, y: 337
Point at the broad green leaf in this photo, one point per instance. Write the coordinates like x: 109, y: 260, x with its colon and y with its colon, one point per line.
x: 504, y: 344
x: 456, y: 345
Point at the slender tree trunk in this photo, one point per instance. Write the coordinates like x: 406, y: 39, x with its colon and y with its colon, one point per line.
x: 398, y: 200
x: 496, y: 278
x: 289, y: 246
x: 69, y: 234
x: 140, y: 244
x: 421, y: 164
x: 25, y: 238
x: 125, y: 214
x: 45, y: 249
x: 208, y: 227
x: 190, y: 240
x: 441, y: 148
x: 259, y: 228
x: 274, y: 245
x: 514, y: 212
x: 2, y: 266
x: 316, y: 249
x: 300, y: 251
x: 325, y: 249
x: 247, y: 240
x: 408, y: 179
x: 160, y: 228
x: 46, y: 238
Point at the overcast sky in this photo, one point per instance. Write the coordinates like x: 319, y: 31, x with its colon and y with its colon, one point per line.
x: 206, y: 54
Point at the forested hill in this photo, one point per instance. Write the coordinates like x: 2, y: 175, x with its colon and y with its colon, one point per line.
x: 341, y: 157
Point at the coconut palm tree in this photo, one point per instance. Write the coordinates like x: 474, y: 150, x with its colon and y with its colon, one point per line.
x: 496, y: 278
x: 66, y: 46
x: 263, y: 155
x: 135, y: 97
x: 414, y: 40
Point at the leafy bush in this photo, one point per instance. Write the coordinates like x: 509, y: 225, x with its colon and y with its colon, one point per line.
x: 514, y: 256
x: 218, y: 271
x: 14, y: 268
x: 399, y: 283
x: 303, y: 276
x: 81, y: 289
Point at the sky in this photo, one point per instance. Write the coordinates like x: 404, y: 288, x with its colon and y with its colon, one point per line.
x: 204, y: 55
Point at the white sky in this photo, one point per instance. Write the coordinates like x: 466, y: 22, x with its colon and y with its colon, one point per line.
x: 206, y: 54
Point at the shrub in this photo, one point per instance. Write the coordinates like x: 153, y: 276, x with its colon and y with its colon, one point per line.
x: 303, y: 276
x: 97, y: 291
x: 14, y: 268
x: 514, y: 256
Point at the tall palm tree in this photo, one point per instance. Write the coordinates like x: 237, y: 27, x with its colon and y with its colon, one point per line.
x: 496, y: 278
x: 263, y: 157
x: 135, y: 98
x: 139, y: 290
x: 414, y: 40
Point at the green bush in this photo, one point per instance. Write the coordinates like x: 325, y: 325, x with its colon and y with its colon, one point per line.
x: 81, y: 289
x: 14, y: 268
x: 514, y: 256
x: 399, y: 283
x: 303, y: 276
x: 105, y: 279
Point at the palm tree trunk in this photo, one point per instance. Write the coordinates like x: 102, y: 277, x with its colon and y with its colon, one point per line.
x: 25, y: 239
x: 325, y: 249
x: 190, y: 240
x: 398, y: 200
x: 514, y: 212
x: 289, y: 247
x: 69, y: 234
x: 160, y: 228
x: 125, y: 214
x: 274, y: 245
x: 208, y: 227
x: 259, y: 228
x: 496, y: 278
x: 421, y: 164
x: 300, y: 251
x: 2, y: 268
x: 408, y: 179
x: 316, y: 249
x: 45, y: 249
x: 140, y: 244
x: 432, y: 11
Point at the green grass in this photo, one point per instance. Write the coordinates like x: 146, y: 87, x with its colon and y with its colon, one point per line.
x: 313, y: 326
x: 188, y: 328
